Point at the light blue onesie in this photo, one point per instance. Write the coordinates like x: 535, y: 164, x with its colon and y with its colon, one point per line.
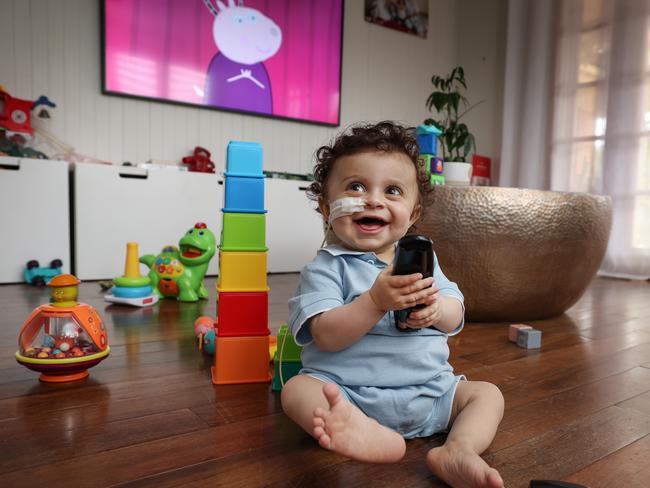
x: 401, y: 379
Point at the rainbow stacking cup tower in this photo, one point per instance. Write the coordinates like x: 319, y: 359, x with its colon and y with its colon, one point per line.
x: 242, y: 349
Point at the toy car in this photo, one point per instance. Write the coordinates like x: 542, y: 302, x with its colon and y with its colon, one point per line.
x: 35, y: 275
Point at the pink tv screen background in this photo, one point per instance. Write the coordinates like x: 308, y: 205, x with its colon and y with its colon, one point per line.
x: 279, y: 58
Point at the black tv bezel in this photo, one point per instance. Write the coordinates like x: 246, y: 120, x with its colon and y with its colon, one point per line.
x: 105, y: 91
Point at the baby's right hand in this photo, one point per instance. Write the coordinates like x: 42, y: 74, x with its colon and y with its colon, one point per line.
x: 397, y: 292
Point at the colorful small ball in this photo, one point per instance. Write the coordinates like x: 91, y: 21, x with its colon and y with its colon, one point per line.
x: 203, y: 325
x: 59, y: 355
x: 209, y: 342
x: 56, y: 351
x: 42, y: 355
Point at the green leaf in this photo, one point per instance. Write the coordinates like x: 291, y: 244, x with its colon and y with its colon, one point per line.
x: 439, y: 100
x: 437, y: 81
x: 460, y: 76
x: 459, y: 141
x: 454, y: 99
x: 470, y: 144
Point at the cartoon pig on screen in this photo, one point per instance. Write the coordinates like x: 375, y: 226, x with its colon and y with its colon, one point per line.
x: 237, y: 78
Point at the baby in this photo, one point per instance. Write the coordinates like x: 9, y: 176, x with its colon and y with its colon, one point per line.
x: 366, y: 385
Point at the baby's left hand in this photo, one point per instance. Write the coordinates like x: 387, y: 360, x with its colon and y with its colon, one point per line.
x: 428, y: 316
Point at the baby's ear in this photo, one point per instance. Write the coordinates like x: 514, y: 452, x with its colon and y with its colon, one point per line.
x: 324, y: 208
x: 415, y: 215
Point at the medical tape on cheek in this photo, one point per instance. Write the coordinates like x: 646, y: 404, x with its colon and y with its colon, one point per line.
x: 346, y: 206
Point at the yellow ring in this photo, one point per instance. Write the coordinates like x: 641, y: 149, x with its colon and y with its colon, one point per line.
x: 80, y: 359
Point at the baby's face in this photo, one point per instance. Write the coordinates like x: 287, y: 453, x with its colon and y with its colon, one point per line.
x: 388, y: 183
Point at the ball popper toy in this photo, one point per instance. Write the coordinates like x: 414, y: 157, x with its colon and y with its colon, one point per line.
x: 132, y: 289
x: 64, y: 338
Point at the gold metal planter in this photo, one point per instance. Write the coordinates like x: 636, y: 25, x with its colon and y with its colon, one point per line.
x: 517, y: 254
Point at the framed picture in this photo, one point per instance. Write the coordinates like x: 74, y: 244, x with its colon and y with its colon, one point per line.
x: 275, y: 58
x: 411, y: 16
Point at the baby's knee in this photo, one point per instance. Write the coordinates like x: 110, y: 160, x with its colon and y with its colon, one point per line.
x: 491, y: 393
x: 288, y: 395
x: 482, y: 391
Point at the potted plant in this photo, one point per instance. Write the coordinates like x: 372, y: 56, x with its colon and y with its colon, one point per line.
x: 456, y: 141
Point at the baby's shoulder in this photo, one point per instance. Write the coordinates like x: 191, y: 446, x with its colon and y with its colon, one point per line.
x: 325, y: 260
x: 325, y: 264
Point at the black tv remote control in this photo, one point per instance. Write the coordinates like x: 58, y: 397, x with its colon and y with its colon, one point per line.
x: 414, y: 254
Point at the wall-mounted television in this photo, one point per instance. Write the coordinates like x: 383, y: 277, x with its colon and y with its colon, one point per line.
x: 275, y: 58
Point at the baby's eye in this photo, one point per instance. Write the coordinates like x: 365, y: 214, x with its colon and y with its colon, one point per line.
x: 356, y: 186
x: 394, y: 190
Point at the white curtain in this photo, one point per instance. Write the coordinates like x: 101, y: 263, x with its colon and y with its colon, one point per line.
x: 593, y: 117
x: 528, y: 93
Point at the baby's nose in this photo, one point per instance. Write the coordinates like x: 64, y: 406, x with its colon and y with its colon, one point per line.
x: 374, y: 201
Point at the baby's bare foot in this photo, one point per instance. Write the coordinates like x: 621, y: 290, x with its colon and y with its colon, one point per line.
x: 347, y: 430
x: 462, y: 468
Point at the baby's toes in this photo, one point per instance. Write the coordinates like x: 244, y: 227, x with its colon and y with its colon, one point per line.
x: 325, y: 441
x: 319, y: 413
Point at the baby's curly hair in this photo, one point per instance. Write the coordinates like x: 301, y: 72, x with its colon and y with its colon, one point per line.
x: 384, y: 136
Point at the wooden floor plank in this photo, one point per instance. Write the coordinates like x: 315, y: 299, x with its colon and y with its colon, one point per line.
x: 531, y: 419
x: 627, y: 467
x: 82, y: 442
x: 640, y: 403
x: 573, y: 376
x: 145, y: 459
x: 570, y: 447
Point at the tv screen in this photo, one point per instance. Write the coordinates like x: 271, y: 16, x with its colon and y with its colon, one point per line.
x: 277, y: 58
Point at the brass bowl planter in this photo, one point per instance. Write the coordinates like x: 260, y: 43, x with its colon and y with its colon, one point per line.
x: 517, y: 254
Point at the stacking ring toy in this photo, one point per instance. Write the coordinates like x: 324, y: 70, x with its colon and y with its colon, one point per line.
x: 131, y: 292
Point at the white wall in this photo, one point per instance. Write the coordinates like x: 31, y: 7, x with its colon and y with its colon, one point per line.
x: 482, y: 27
x: 52, y: 47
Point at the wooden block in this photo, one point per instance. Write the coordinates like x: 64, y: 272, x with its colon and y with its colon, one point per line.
x: 514, y: 328
x: 529, y: 338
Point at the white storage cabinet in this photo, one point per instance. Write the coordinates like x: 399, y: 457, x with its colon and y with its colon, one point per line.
x: 294, y: 230
x: 34, y: 215
x: 114, y: 205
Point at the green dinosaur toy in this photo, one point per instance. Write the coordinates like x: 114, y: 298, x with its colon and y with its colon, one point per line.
x: 180, y: 274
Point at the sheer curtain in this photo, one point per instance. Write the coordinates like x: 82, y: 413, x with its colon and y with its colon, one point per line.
x: 601, y: 124
x: 529, y: 79
x: 597, y: 135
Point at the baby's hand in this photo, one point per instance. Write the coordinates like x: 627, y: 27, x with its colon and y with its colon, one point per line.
x: 397, y: 292
x: 427, y: 316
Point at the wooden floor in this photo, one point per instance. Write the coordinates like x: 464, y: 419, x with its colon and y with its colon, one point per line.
x: 577, y: 410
